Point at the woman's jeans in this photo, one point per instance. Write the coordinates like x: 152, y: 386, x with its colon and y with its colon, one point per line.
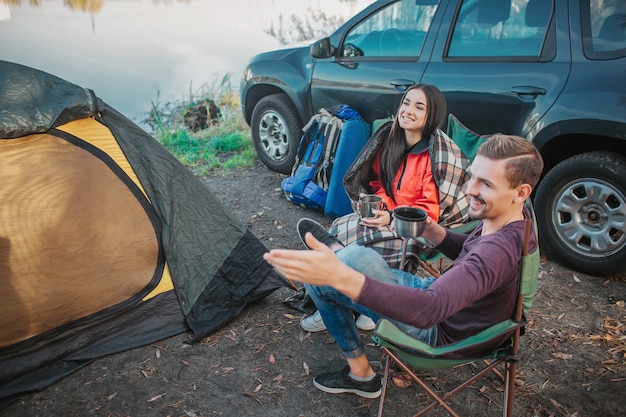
x: 338, y: 310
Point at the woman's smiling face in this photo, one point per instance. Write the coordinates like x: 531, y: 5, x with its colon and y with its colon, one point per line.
x: 413, y: 111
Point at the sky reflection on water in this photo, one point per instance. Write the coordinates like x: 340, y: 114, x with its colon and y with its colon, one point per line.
x: 129, y: 52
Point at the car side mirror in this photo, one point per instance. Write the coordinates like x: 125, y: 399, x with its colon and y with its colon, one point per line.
x: 322, y: 49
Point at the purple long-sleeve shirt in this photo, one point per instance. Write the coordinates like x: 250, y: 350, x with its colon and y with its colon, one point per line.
x: 479, y: 290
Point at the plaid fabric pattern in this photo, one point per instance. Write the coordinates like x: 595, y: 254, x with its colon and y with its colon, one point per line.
x: 348, y: 229
x: 449, y: 167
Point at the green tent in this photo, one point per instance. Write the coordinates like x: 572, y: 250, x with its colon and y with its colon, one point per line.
x: 107, y: 242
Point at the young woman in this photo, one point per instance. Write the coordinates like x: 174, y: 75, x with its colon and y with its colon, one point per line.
x: 408, y: 161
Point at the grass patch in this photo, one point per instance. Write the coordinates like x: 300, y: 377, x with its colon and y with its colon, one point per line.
x: 204, y: 144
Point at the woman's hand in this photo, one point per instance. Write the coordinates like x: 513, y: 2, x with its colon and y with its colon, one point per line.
x: 318, y: 266
x: 381, y: 218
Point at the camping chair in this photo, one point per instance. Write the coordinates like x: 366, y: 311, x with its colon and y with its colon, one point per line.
x: 408, y: 352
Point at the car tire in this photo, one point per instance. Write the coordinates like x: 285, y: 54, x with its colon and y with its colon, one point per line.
x: 276, y: 131
x: 581, y: 209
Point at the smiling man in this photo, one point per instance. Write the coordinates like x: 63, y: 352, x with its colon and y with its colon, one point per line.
x: 479, y: 290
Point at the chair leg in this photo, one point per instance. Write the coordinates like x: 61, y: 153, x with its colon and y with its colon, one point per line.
x: 439, y: 400
x: 430, y: 269
x: 495, y: 371
x: 490, y: 367
x: 509, y: 388
x: 383, y: 388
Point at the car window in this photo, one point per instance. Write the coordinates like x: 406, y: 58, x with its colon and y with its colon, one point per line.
x: 604, y: 28
x: 500, y: 28
x: 397, y: 30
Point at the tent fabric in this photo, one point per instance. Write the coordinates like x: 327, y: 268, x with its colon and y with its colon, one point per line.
x: 107, y: 242
x: 64, y: 206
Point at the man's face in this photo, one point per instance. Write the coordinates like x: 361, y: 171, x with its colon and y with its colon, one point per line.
x: 489, y: 191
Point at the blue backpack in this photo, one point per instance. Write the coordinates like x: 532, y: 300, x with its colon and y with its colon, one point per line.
x: 310, y: 177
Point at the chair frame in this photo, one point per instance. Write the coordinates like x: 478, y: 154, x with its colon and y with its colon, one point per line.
x: 394, y: 343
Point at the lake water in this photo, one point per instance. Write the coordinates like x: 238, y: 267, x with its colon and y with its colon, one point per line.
x: 131, y: 52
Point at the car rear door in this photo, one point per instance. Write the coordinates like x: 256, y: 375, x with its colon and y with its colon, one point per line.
x: 501, y: 64
x: 379, y: 54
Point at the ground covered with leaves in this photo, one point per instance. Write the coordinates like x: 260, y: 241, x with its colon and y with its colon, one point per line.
x: 262, y: 363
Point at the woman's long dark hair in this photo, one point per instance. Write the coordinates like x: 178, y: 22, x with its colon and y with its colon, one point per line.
x: 394, y: 148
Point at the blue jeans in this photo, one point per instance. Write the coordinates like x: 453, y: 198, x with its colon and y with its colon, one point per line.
x: 338, y: 310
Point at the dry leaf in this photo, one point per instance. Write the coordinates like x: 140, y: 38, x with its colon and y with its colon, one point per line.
x: 185, y: 362
x: 278, y: 377
x: 306, y: 368
x: 227, y: 370
x: 110, y: 397
x: 258, y: 388
x: 561, y: 355
x: 158, y: 353
x: 620, y: 303
x: 289, y: 316
x: 576, y: 279
x: 272, y: 360
x: 401, y: 381
x: 156, y: 397
x: 556, y: 405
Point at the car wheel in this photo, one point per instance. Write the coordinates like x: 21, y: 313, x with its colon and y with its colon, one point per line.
x: 276, y: 132
x: 581, y: 212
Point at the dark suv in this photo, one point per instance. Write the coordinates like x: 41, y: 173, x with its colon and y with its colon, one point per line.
x: 552, y: 71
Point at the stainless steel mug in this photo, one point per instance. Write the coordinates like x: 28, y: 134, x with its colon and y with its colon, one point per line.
x: 367, y: 203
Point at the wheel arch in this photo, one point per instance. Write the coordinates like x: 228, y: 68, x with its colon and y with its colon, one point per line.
x: 559, y: 142
x: 259, y: 91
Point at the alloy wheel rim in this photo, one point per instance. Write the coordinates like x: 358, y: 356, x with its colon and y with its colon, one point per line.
x: 273, y: 135
x: 589, y: 216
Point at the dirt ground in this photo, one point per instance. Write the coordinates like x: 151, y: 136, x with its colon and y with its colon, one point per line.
x: 262, y: 364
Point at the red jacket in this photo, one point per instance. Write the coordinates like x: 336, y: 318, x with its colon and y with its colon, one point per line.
x: 413, y: 185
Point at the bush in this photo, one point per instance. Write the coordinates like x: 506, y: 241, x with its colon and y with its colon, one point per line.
x: 203, y: 139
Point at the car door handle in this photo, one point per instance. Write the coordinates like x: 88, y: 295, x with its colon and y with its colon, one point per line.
x: 401, y: 84
x: 528, y: 91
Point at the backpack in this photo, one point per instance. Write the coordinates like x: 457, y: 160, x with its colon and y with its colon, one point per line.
x: 310, y: 176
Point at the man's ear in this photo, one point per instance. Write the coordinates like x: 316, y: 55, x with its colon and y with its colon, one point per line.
x: 523, y: 192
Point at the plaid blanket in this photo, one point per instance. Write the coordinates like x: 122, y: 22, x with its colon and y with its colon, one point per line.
x: 449, y: 167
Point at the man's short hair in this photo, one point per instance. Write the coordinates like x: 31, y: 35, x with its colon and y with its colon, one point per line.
x: 524, y: 163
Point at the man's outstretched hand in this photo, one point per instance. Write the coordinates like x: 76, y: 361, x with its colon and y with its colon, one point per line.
x: 318, y: 266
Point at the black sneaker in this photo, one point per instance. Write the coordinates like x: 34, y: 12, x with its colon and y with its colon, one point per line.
x: 340, y: 382
x: 307, y: 225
